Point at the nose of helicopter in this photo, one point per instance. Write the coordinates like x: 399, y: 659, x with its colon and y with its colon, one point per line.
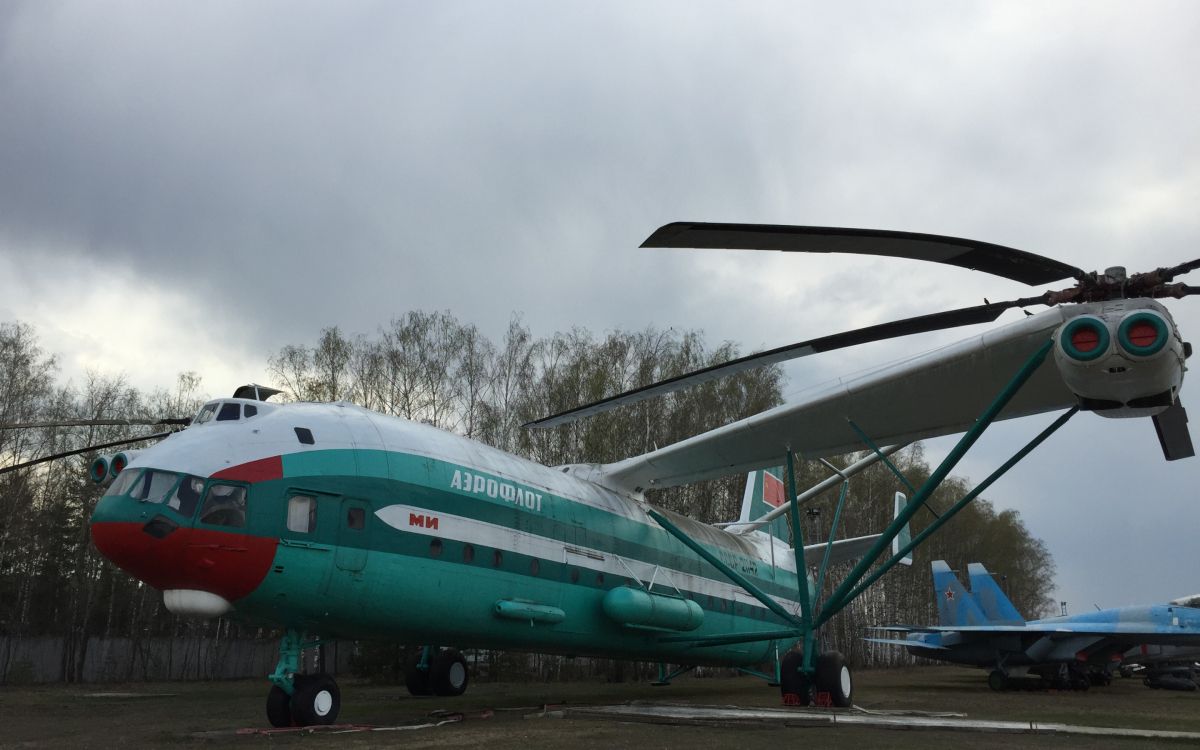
x: 200, y: 571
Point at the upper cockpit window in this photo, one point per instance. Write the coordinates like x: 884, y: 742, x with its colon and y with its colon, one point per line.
x: 207, y: 412
x: 153, y: 486
x: 122, y: 483
x: 229, y: 411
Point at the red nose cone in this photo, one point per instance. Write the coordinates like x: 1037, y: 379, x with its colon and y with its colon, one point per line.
x: 228, y: 564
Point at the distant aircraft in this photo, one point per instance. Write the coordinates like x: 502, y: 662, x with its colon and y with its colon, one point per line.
x: 983, y: 629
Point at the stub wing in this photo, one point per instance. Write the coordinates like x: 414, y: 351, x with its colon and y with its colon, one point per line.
x: 936, y: 393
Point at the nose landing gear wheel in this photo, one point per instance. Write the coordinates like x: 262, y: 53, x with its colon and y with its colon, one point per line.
x: 279, y: 707
x: 316, y: 700
x: 997, y: 680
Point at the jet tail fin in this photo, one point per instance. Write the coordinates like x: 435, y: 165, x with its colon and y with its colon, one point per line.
x: 995, y: 604
x: 955, y: 605
x: 765, y: 491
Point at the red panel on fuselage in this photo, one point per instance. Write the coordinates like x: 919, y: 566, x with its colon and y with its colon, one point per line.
x: 222, y: 562
x: 262, y: 470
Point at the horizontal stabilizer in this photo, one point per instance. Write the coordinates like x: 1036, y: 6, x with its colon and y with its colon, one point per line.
x: 1172, y: 428
x: 906, y: 644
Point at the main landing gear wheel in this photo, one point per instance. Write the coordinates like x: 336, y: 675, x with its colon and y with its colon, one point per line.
x: 793, y: 683
x: 833, y: 677
x: 279, y: 707
x: 448, y: 673
x: 316, y: 700
x: 998, y: 681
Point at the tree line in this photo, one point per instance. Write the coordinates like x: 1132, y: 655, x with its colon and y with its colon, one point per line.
x: 433, y: 368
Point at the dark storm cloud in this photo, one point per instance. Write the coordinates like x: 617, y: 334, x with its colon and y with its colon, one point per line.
x: 304, y: 165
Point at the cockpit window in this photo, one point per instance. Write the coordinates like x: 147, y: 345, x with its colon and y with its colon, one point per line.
x: 229, y: 411
x: 187, y: 495
x: 207, y: 412
x: 122, y: 483
x: 224, y: 505
x: 153, y: 486
x: 251, y: 410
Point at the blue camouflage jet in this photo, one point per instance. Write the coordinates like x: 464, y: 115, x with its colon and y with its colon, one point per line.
x: 982, y: 628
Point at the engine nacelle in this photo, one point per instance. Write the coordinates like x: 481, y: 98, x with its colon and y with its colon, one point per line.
x: 119, y: 461
x: 98, y: 469
x: 1125, y: 361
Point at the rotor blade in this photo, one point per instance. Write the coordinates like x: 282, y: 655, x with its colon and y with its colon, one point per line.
x: 979, y: 256
x: 1173, y: 435
x: 65, y: 454
x: 896, y: 328
x: 1170, y: 273
x: 98, y: 422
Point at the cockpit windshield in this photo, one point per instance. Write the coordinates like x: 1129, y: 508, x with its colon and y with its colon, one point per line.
x: 154, y: 486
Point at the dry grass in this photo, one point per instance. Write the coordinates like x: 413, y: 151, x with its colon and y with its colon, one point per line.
x: 173, y: 714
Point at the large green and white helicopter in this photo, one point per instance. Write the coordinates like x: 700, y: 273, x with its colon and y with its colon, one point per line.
x: 335, y: 522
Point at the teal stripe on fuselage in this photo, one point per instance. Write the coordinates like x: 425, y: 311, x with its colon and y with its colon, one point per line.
x: 402, y: 589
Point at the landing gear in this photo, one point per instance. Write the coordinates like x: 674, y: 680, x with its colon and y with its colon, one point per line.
x: 300, y: 700
x: 793, y: 682
x: 431, y: 671
x: 998, y: 681
x: 833, y: 677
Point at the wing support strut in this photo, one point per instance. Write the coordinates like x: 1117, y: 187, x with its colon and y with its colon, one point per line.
x: 805, y: 626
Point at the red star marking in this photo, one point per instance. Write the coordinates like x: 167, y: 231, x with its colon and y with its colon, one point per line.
x: 949, y: 594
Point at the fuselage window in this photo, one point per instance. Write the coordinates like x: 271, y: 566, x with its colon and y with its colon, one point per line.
x: 187, y: 495
x: 250, y: 410
x: 356, y: 518
x: 302, y: 514
x: 153, y: 486
x: 435, y: 548
x: 229, y: 412
x: 468, y: 553
x: 224, y: 505
x: 304, y: 435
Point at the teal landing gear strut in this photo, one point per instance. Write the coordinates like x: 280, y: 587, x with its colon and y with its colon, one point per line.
x: 801, y: 669
x: 300, y: 700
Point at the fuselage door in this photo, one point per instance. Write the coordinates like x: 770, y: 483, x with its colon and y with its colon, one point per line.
x: 352, y: 538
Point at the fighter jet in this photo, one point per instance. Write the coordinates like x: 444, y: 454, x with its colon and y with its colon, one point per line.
x: 982, y: 628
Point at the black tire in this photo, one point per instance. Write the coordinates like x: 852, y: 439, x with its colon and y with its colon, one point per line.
x: 998, y: 681
x: 793, y: 682
x: 279, y: 707
x: 448, y: 675
x: 416, y: 679
x: 833, y: 677
x: 316, y: 700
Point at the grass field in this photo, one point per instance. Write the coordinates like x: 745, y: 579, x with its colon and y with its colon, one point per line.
x: 189, y: 713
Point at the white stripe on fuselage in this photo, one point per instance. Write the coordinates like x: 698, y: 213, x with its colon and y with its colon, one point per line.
x: 427, y: 522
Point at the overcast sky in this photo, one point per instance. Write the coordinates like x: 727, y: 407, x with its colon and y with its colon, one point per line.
x: 190, y: 186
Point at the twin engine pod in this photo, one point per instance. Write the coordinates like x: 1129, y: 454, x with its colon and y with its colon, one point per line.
x: 104, y: 469
x: 1127, y: 361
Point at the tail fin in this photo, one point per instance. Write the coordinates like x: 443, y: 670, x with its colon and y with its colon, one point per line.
x: 991, y: 599
x: 905, y: 535
x: 765, y: 492
x: 955, y: 605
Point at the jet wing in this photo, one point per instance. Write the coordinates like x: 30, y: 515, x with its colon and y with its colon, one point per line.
x: 906, y: 644
x: 934, y: 393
